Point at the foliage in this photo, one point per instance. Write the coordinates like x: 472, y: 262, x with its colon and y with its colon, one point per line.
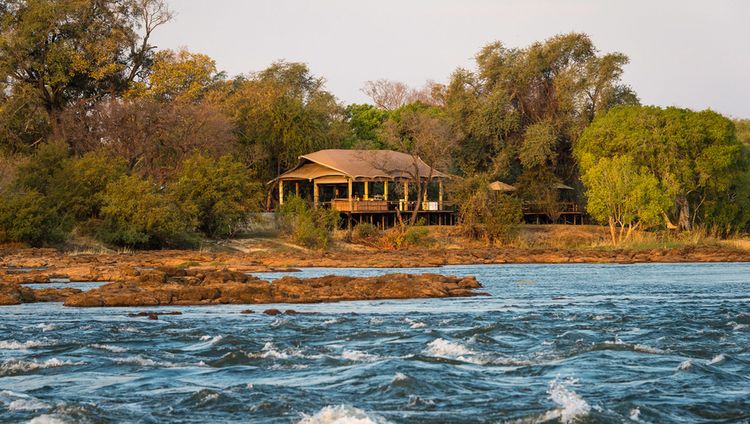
x: 279, y: 114
x: 620, y: 195
x: 69, y: 50
x: 23, y: 120
x: 406, y: 237
x: 309, y: 227
x: 485, y: 214
x: 26, y: 217
x: 695, y: 156
x: 39, y: 172
x: 219, y: 194
x: 519, y: 114
x: 366, y: 231
x: 135, y: 214
x: 77, y: 185
x: 178, y: 76
x: 152, y: 137
x: 365, y: 122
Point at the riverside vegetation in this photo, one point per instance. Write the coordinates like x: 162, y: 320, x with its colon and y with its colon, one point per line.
x: 105, y: 138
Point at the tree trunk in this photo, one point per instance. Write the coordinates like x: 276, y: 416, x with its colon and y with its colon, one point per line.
x: 612, y: 231
x: 683, y: 217
x: 415, y: 212
x: 55, y: 123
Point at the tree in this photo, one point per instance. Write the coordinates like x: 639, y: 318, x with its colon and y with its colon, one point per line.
x: 365, y: 122
x: 484, y: 214
x: 387, y: 94
x: 178, y: 76
x: 623, y: 196
x: 76, y: 187
x: 279, y: 114
x: 391, y: 95
x: 695, y: 156
x: 219, y: 193
x: 73, y: 50
x: 152, y: 137
x: 135, y: 214
x: 425, y: 136
x: 26, y: 217
x: 520, y: 112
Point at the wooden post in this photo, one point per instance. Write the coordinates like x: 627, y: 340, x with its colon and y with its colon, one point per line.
x: 367, y: 189
x: 296, y: 188
x: 385, y: 190
x: 406, y: 194
x: 316, y: 194
x: 281, y: 192
x: 440, y: 195
x: 349, y: 190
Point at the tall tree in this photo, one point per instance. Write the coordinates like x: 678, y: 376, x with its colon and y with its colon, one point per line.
x: 695, y: 156
x: 281, y: 113
x: 426, y: 136
x: 519, y: 114
x: 70, y: 50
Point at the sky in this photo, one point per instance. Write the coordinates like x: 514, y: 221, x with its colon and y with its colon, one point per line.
x: 685, y: 53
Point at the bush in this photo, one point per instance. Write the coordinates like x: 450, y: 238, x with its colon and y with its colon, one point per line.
x: 309, y: 227
x: 218, y: 194
x: 405, y: 237
x: 41, y: 170
x: 26, y: 217
x: 79, y: 181
x: 490, y: 216
x: 366, y: 231
x: 135, y: 214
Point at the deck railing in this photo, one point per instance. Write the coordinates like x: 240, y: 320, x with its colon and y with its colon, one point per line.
x: 380, y: 205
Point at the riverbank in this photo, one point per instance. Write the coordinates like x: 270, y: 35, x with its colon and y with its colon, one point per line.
x: 537, y: 244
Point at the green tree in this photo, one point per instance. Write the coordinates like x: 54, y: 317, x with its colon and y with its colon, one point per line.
x: 519, y: 114
x: 484, y: 214
x: 623, y: 196
x: 366, y: 122
x: 695, y: 156
x: 219, y: 193
x: 74, y: 50
x: 78, y: 183
x: 135, y: 214
x: 178, y: 76
x: 26, y: 217
x: 310, y: 227
x: 281, y: 113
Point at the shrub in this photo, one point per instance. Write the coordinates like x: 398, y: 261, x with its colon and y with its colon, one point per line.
x: 490, y: 216
x: 408, y: 236
x: 26, y: 217
x: 309, y: 227
x: 41, y: 171
x: 79, y: 181
x: 135, y: 214
x: 366, y: 231
x: 219, y: 194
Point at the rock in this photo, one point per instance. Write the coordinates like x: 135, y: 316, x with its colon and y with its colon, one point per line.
x: 175, y: 287
x: 247, y: 311
x: 14, y: 294
x: 272, y: 312
x: 151, y: 313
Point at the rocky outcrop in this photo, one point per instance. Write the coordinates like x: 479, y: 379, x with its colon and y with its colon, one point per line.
x: 171, y: 286
x: 14, y: 294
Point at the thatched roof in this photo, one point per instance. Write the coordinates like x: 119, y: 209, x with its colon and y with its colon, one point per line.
x: 501, y: 186
x: 335, y: 166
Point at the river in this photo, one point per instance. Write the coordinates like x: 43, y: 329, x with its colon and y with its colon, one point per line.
x: 570, y: 343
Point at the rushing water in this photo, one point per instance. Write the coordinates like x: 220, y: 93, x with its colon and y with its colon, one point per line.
x: 589, y: 343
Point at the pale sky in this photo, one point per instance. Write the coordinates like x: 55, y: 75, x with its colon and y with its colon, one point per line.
x: 684, y: 53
